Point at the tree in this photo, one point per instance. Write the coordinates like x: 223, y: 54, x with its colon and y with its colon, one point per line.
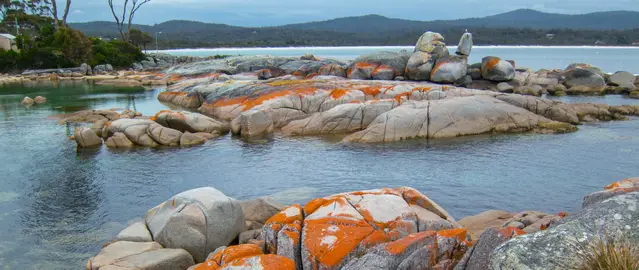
x: 120, y: 21
x: 139, y: 38
x: 64, y: 17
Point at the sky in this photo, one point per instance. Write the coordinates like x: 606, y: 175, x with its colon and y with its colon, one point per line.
x: 279, y: 12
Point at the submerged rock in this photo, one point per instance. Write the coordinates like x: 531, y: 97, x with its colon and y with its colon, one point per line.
x: 27, y: 101
x: 39, y: 99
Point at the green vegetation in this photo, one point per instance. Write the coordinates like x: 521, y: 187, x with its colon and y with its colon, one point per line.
x: 45, y: 42
x: 609, y: 254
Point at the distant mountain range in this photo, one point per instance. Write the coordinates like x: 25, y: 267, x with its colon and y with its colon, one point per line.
x: 523, y: 26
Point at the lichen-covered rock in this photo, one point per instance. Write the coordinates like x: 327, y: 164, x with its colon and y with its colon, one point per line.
x: 333, y: 70
x: 431, y: 43
x: 420, y: 66
x: 330, y: 231
x: 478, y: 256
x: 449, y: 69
x: 554, y: 248
x: 85, y: 138
x: 119, y: 140
x: 465, y: 44
x: 614, y: 189
x: 245, y: 256
x: 198, y: 220
x: 379, y: 66
x: 496, y: 69
x: 584, y: 81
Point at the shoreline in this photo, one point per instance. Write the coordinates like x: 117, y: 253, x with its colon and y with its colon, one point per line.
x: 399, y: 47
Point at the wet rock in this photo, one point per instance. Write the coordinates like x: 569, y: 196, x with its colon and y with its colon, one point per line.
x: 484, y: 220
x: 165, y: 258
x: 163, y: 135
x: 136, y: 232
x: 198, y: 220
x: 119, y: 140
x: 256, y: 123
x: 85, y: 138
x: 495, y: 69
x: 465, y: 44
x: 27, y: 101
x: 135, y: 130
x: 190, y: 139
x: 118, y: 251
x: 39, y: 100
x: 554, y: 248
x: 449, y: 69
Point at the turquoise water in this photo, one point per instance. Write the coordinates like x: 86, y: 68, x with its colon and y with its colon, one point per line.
x: 58, y: 205
x: 610, y: 59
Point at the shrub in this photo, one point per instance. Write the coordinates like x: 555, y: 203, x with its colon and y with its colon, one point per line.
x: 118, y: 53
x: 74, y: 45
x: 610, y: 254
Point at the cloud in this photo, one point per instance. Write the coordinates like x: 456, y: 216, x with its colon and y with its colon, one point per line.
x: 77, y: 11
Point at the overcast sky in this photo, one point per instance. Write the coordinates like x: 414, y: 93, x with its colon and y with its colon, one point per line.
x: 278, y: 12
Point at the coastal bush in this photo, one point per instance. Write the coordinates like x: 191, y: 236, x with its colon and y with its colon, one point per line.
x: 8, y: 60
x: 73, y: 45
x: 118, y: 53
x: 610, y: 254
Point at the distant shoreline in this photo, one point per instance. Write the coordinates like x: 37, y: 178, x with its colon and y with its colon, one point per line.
x: 398, y: 47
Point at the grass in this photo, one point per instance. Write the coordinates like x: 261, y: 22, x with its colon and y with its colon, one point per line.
x: 610, y: 254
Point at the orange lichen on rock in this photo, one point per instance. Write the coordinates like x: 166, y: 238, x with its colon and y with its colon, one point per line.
x: 511, y: 232
x: 562, y: 214
x: 286, y: 82
x: 264, y: 262
x: 338, y: 93
x: 330, y: 240
x: 371, y: 90
x: 422, y: 89
x: 287, y: 216
x: 492, y: 63
x: 313, y: 205
x: 228, y: 101
x: 399, y: 246
x: 460, y: 234
x: 311, y: 76
x: 229, y: 255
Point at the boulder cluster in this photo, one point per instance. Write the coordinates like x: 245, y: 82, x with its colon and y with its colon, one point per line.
x: 27, y: 101
x: 389, y: 228
x: 129, y: 129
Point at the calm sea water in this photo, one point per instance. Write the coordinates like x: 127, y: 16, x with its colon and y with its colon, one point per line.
x: 610, y: 59
x: 58, y: 206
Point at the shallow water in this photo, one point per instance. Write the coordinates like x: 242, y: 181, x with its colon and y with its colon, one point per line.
x: 610, y: 59
x: 58, y: 206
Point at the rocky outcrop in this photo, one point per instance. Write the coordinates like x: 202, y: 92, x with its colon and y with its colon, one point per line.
x: 453, y: 117
x: 198, y: 220
x: 557, y: 247
x: 429, y: 48
x: 378, y: 66
x: 150, y: 133
x: 258, y: 211
x: 385, y: 229
x: 139, y: 256
x: 478, y: 257
x: 85, y: 138
x: 584, y: 81
x: 478, y: 223
x: 449, y: 69
x: 246, y: 256
x: 623, y: 79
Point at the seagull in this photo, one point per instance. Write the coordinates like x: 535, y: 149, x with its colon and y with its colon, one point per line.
x: 466, y: 30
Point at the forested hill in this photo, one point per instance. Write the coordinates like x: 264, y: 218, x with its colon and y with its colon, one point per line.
x: 519, y: 27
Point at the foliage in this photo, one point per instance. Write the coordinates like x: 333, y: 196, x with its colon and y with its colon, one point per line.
x: 609, y: 254
x: 139, y: 38
x: 74, y: 46
x: 115, y: 52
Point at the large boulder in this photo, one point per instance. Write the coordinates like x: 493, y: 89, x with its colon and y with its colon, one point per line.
x: 465, y: 44
x: 118, y: 251
x: 623, y: 79
x: 558, y: 247
x: 119, y: 140
x: 258, y: 211
x: 449, y: 69
x: 85, y: 137
x: 136, y: 232
x: 198, y: 220
x: 374, y: 229
x: 478, y: 257
x: 379, y: 66
x: 332, y: 70
x: 420, y: 65
x: 584, y: 81
x: 165, y: 258
x: 192, y: 122
x: 496, y: 69
x: 431, y: 43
